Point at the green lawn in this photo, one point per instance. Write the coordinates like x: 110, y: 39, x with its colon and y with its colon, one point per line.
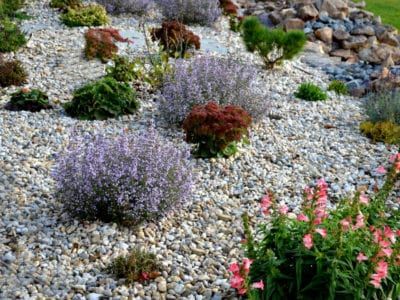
x: 389, y: 10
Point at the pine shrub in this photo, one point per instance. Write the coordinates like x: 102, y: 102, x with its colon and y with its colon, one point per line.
x: 229, y: 7
x: 30, y: 100
x: 123, y: 69
x: 8, y: 8
x: 216, y: 130
x: 101, y: 100
x: 273, y: 45
x: 12, y: 73
x: 127, y: 179
x: 89, y: 15
x: 175, y: 38
x: 138, y: 7
x: 11, y: 37
x: 138, y: 266
x: 101, y: 43
x: 203, y: 79
x: 204, y: 12
x: 310, y: 92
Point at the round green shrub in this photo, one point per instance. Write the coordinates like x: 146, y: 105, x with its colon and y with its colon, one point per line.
x: 386, y: 131
x: 123, y: 70
x: 339, y: 87
x: 101, y: 100
x: 90, y: 15
x: 11, y: 37
x: 9, y: 7
x: 310, y: 92
x: 31, y: 100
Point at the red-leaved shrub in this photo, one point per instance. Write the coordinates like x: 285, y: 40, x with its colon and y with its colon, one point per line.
x: 216, y: 129
x: 100, y: 43
x: 175, y: 38
x: 229, y: 7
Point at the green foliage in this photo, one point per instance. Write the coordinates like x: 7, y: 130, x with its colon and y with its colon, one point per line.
x: 103, y: 99
x: 386, y: 131
x: 383, y: 106
x: 339, y: 87
x: 310, y: 92
x: 349, y: 252
x: 11, y: 37
x: 137, y: 266
x: 273, y: 45
x: 8, y: 8
x: 89, y: 15
x: 12, y: 73
x: 123, y: 69
x: 65, y: 4
x: 31, y: 100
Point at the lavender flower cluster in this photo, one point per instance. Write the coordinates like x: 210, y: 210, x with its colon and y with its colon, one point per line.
x: 126, y: 6
x: 126, y: 179
x: 204, y: 79
x: 203, y: 12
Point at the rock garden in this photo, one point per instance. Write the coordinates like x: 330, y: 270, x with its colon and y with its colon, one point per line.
x: 214, y: 149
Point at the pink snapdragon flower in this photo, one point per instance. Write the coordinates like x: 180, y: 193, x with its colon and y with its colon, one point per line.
x: 266, y: 204
x: 381, y: 272
x: 359, y: 221
x: 258, y: 285
x: 381, y: 170
x: 308, y: 241
x: 283, y: 209
x: 389, y: 234
x: 346, y: 224
x: 361, y: 257
x: 237, y: 281
x: 364, y: 199
x: 303, y: 218
x: 321, y: 231
x: 234, y: 268
x: 246, y: 264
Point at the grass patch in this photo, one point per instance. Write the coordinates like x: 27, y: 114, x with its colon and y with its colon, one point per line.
x: 387, y: 9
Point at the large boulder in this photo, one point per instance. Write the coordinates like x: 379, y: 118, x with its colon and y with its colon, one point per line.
x: 308, y: 12
x: 355, y: 42
x: 335, y: 8
x: 341, y: 35
x: 295, y: 23
x: 324, y: 34
x: 364, y: 30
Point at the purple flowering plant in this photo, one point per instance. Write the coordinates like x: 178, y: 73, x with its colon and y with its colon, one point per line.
x: 125, y: 179
x: 126, y: 6
x: 204, y: 12
x: 204, y: 79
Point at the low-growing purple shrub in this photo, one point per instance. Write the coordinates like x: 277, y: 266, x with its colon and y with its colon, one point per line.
x: 204, y: 12
x: 204, y: 79
x: 126, y: 179
x: 126, y: 6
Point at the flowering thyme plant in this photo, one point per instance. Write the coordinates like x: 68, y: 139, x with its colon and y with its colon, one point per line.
x: 350, y: 252
x: 126, y: 179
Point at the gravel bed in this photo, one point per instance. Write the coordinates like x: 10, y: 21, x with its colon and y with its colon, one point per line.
x: 44, y: 253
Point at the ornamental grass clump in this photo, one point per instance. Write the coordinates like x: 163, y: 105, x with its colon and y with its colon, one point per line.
x: 12, y: 73
x: 349, y: 252
x: 138, y: 7
x: 383, y: 111
x: 126, y: 179
x: 203, y: 79
x: 138, y: 266
x: 101, y: 43
x: 216, y: 130
x: 8, y: 8
x: 310, y: 92
x: 204, y: 12
x: 89, y: 15
x: 273, y: 45
x: 339, y: 87
x: 101, y: 100
x: 175, y: 38
x: 26, y: 99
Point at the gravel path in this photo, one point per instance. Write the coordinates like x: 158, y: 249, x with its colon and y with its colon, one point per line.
x: 46, y: 254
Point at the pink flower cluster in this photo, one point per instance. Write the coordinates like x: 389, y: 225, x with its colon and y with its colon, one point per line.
x: 240, y: 272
